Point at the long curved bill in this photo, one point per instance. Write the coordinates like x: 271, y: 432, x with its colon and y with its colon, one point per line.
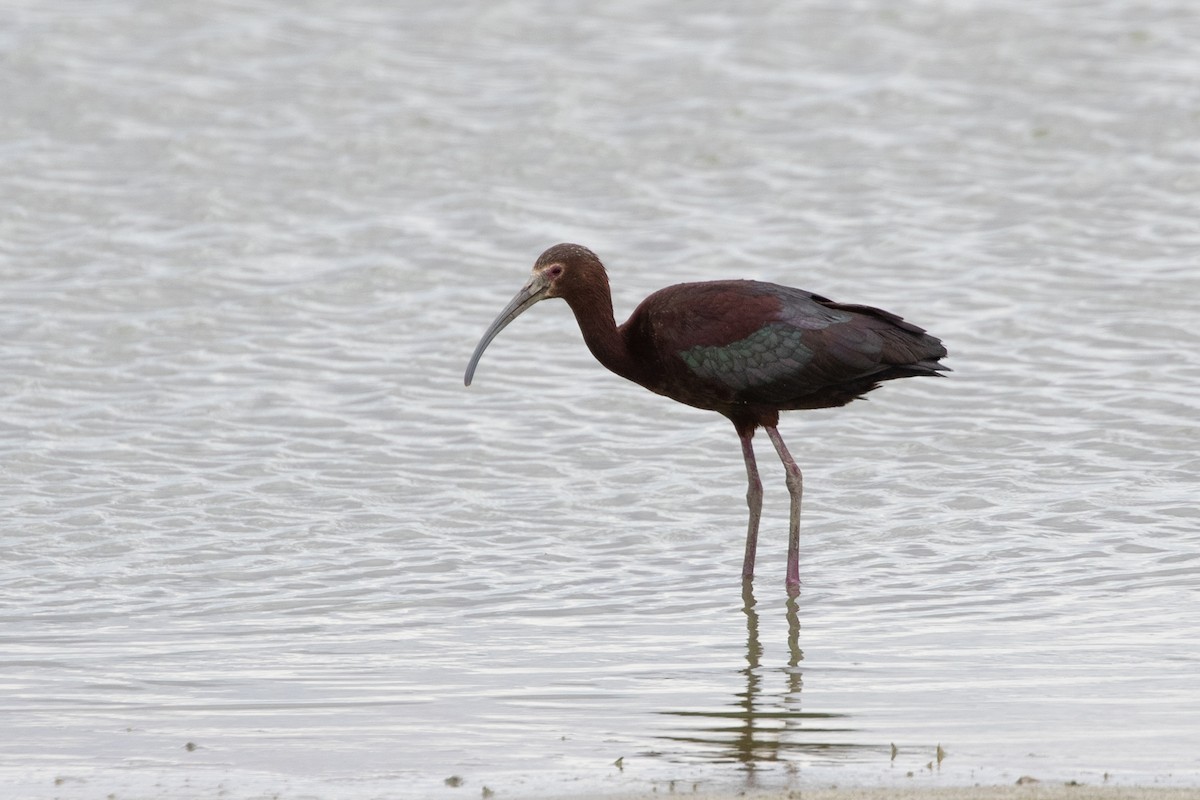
x: 530, y: 293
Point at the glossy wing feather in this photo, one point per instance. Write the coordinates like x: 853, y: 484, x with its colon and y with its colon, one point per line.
x: 747, y: 342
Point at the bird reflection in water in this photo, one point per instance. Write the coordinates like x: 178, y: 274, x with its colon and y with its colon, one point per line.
x: 761, y: 725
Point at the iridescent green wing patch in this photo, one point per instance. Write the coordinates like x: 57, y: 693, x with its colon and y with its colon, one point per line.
x: 765, y: 356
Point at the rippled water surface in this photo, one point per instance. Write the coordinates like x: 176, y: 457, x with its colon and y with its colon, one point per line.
x: 258, y: 539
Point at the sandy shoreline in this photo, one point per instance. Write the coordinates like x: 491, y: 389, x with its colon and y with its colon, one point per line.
x: 1033, y: 791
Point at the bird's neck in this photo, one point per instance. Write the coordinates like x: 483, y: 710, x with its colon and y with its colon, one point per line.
x: 594, y: 312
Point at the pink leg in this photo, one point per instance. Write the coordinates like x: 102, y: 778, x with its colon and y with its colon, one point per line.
x: 795, y: 484
x: 754, y: 495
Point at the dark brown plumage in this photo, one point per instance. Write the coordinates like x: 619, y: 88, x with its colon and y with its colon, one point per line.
x: 745, y: 349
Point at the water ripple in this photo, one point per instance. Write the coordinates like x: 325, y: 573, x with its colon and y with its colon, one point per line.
x: 248, y: 505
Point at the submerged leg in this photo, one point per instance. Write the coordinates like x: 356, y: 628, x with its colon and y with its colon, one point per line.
x: 795, y: 484
x: 754, y: 496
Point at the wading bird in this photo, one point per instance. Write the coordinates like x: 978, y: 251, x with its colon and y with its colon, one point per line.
x: 745, y: 349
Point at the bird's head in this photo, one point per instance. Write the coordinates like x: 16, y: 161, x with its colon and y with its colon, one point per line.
x: 566, y: 268
x: 562, y: 271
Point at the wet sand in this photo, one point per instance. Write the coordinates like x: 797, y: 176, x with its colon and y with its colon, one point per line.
x: 1032, y: 791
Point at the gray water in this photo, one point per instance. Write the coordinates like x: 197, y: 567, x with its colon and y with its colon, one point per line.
x: 259, y: 540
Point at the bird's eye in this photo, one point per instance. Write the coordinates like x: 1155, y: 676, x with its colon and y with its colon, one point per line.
x: 555, y: 270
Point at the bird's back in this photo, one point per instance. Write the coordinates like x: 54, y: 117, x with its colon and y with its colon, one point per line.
x: 737, y: 346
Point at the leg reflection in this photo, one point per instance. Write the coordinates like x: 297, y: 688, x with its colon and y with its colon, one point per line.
x: 763, y: 723
x: 795, y: 654
x: 745, y: 743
